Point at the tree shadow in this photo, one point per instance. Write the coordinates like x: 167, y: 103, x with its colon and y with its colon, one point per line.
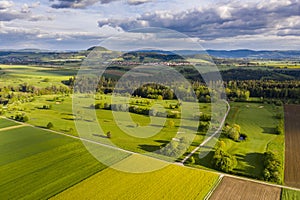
x: 152, y: 148
x: 206, y: 161
x: 65, y: 118
x: 269, y: 130
x: 149, y: 148
x: 252, y: 164
x: 97, y: 135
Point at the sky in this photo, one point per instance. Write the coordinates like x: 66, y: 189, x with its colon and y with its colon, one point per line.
x: 213, y: 24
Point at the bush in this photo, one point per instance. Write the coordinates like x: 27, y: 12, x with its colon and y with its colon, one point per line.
x: 233, y: 132
x: 272, y: 168
x: 21, y: 117
x: 203, y: 126
x: 280, y: 127
x: 191, y: 160
x: 46, y: 107
x: 171, y: 124
x: 99, y: 106
x: 108, y: 134
x: 175, y: 148
x: 50, y: 125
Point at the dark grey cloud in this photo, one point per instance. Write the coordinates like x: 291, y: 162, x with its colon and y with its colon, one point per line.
x: 75, y: 3
x: 9, y: 15
x: 137, y: 2
x: 80, y: 4
x: 222, y: 20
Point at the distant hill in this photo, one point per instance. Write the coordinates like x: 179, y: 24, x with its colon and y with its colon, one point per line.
x: 245, y: 53
x: 242, y: 53
x: 97, y: 48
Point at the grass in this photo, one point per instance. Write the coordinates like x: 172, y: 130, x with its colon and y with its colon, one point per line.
x: 13, y: 75
x: 290, y: 194
x: 258, y: 122
x: 36, y: 164
x: 4, y: 123
x: 171, y: 182
x: 61, y: 115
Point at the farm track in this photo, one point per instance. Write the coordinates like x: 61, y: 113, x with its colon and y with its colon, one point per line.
x: 13, y: 127
x: 292, y: 148
x: 210, y: 137
x: 232, y: 188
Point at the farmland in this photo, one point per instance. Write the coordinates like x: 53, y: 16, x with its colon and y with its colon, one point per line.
x: 171, y: 182
x: 292, y: 140
x: 6, y: 123
x: 41, y: 164
x: 290, y: 194
x: 36, y: 164
x: 231, y: 188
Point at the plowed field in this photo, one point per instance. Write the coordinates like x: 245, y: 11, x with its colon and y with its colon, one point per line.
x: 292, y: 147
x: 231, y: 188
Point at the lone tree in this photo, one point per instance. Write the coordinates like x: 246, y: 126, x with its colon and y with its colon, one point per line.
x: 108, y: 134
x: 50, y: 125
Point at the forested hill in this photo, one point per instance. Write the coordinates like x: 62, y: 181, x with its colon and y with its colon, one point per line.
x: 241, y: 53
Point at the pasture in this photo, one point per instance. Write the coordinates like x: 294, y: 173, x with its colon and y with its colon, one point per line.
x: 37, y: 164
x: 63, y: 119
x: 259, y: 123
x: 171, y: 182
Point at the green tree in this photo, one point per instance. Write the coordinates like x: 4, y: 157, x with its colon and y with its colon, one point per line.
x: 224, y: 161
x: 171, y: 123
x: 159, y: 97
x: 108, y: 134
x: 50, y: 125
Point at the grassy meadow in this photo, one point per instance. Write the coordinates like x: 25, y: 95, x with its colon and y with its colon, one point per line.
x: 63, y: 119
x: 259, y: 123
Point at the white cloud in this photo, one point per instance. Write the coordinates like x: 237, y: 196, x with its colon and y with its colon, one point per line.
x: 5, y: 4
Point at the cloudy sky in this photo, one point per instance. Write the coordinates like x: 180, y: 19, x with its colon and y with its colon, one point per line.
x: 215, y: 24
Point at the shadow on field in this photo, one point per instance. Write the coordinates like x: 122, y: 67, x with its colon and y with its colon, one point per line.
x: 152, y: 148
x: 269, y: 130
x: 206, y: 161
x: 149, y: 148
x: 250, y: 165
x: 102, y: 136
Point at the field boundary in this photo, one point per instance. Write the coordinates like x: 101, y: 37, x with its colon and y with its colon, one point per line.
x: 214, y: 188
x: 13, y: 127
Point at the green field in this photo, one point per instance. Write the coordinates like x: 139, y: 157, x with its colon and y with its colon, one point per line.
x: 259, y: 123
x: 6, y: 123
x: 290, y: 194
x: 36, y: 164
x: 13, y: 75
x: 62, y: 117
x: 171, y: 182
